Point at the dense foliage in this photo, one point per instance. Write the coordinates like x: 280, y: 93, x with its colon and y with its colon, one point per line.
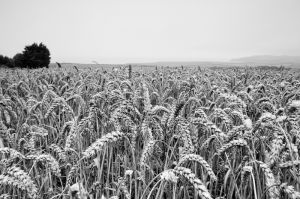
x: 6, y: 61
x: 36, y: 56
x: 33, y: 56
x: 173, y: 133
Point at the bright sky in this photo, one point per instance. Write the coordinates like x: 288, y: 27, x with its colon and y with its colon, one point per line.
x: 121, y: 31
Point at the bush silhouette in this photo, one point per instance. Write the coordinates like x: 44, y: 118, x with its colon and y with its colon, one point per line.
x: 34, y: 56
x: 19, y: 60
x: 6, y: 61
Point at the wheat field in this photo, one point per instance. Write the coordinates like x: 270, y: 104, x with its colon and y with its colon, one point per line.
x: 166, y: 133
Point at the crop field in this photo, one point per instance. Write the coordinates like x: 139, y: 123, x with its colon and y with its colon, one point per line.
x: 162, y: 133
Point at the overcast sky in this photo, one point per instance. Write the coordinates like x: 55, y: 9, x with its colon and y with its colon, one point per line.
x: 111, y: 31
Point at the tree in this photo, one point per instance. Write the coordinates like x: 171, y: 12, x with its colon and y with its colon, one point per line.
x: 2, y: 60
x: 6, y: 61
x: 19, y: 60
x: 36, y: 56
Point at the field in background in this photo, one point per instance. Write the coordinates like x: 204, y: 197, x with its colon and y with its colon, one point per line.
x: 147, y: 67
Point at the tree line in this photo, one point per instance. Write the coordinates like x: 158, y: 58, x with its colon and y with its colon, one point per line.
x: 33, y: 56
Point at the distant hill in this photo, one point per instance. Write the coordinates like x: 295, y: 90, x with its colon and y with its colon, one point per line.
x: 293, y: 61
x: 183, y: 63
x: 290, y: 61
x: 260, y: 60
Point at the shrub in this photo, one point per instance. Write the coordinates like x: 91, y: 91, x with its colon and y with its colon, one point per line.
x: 36, y: 56
x: 6, y: 61
x: 18, y: 60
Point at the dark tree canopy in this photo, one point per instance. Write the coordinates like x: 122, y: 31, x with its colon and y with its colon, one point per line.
x: 18, y: 60
x: 33, y: 56
x: 6, y: 61
x: 36, y: 56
